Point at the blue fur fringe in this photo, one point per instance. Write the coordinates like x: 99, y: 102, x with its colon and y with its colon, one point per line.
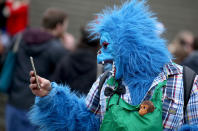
x: 62, y: 110
x: 138, y: 50
x: 189, y: 128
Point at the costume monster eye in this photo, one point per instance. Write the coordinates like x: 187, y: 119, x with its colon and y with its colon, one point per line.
x: 105, y: 44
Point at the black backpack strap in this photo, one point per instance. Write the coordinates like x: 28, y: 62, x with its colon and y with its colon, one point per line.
x: 188, y: 79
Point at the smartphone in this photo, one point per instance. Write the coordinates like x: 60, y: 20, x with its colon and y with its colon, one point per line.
x: 33, y: 67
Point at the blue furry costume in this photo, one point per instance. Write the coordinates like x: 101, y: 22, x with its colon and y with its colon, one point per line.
x: 128, y: 37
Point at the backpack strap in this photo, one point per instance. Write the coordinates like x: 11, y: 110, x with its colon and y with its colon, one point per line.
x: 188, y: 79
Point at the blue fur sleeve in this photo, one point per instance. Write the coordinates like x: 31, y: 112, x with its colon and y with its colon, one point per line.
x: 62, y: 110
x: 189, y: 128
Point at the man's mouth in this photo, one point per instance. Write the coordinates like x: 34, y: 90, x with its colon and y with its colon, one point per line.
x: 106, y: 61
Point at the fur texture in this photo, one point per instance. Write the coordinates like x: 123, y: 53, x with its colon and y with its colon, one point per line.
x: 139, y: 55
x: 189, y: 128
x: 62, y: 110
x: 138, y: 51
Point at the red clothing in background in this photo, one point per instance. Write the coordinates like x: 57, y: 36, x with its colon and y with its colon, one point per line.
x: 18, y: 19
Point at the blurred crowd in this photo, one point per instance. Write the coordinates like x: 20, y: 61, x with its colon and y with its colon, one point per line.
x: 58, y: 56
x: 184, y: 48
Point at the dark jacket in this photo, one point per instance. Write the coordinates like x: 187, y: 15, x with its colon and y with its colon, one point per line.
x: 2, y: 17
x: 78, y: 70
x: 192, y: 61
x: 46, y: 51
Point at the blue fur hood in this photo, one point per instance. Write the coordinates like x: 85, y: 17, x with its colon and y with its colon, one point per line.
x: 137, y: 49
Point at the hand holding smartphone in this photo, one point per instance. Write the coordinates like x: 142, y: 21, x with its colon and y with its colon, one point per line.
x: 33, y: 67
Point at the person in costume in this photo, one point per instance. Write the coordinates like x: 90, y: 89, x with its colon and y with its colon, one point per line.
x: 142, y: 70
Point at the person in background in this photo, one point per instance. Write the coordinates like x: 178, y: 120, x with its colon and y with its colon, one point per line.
x: 2, y: 16
x: 17, y: 16
x: 2, y: 47
x: 79, y: 66
x: 181, y: 46
x: 192, y: 60
x: 45, y: 47
x: 4, y: 38
x: 1, y: 50
x: 68, y: 41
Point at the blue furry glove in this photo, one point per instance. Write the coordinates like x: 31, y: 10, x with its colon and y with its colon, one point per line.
x: 189, y: 128
x: 62, y: 110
